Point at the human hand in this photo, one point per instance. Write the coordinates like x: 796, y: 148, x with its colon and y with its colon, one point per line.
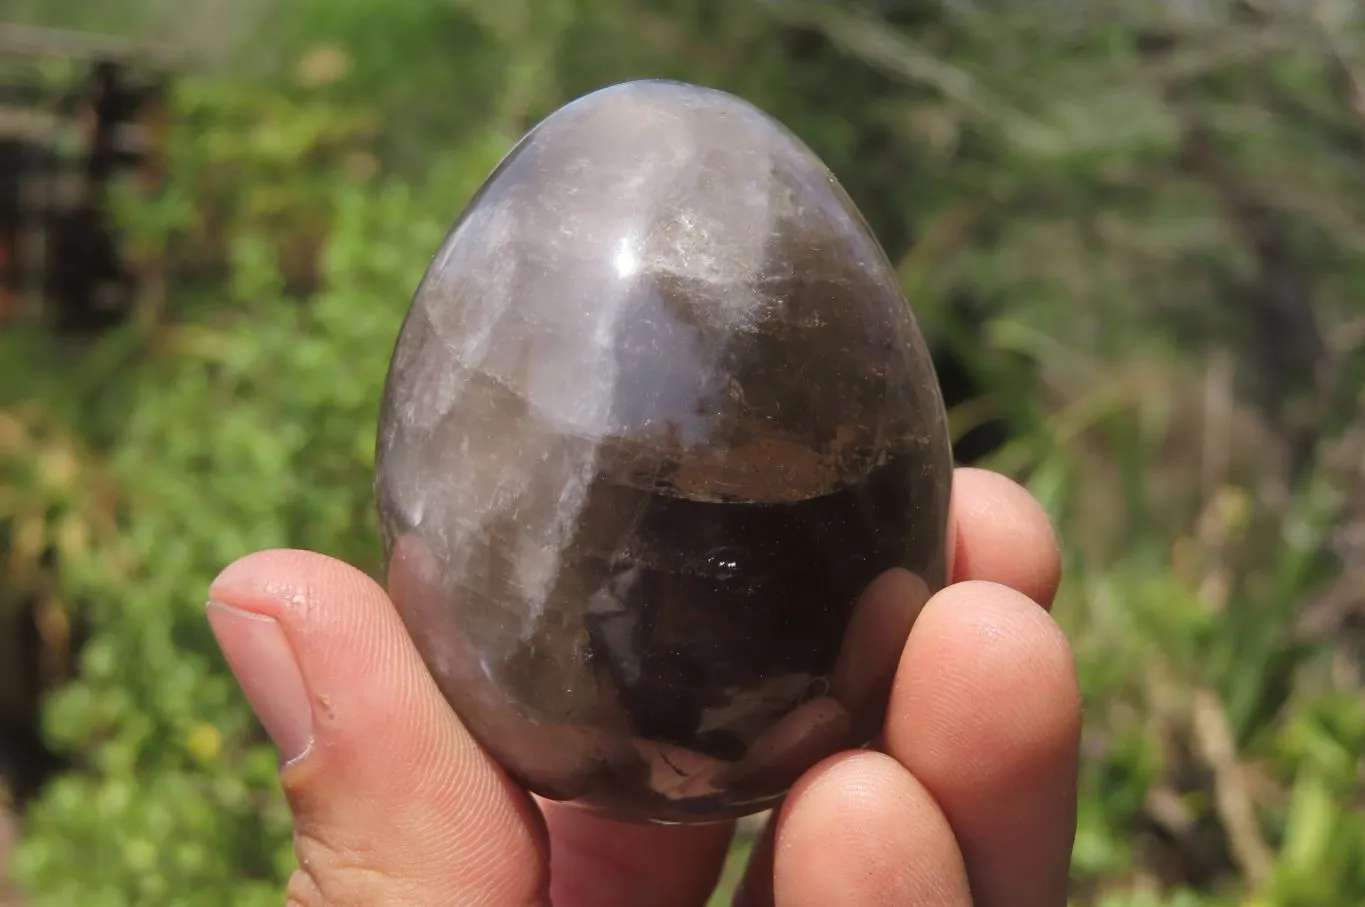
x: 969, y: 801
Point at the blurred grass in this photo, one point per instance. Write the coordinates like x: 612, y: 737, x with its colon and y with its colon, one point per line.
x: 1153, y: 225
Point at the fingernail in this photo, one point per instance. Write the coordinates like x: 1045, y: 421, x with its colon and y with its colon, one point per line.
x: 263, y: 662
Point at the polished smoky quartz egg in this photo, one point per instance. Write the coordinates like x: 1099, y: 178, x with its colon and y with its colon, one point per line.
x: 662, y: 467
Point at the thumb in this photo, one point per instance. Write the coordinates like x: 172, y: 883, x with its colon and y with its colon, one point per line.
x: 393, y: 802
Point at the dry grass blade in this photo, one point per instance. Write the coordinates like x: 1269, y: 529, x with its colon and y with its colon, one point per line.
x: 1235, y: 804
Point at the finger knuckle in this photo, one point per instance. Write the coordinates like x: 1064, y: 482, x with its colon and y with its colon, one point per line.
x: 331, y: 876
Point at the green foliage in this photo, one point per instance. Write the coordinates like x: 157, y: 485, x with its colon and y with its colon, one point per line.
x: 249, y: 426
x: 1115, y: 214
x: 244, y: 422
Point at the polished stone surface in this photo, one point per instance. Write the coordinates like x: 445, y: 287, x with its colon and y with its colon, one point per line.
x: 663, y: 468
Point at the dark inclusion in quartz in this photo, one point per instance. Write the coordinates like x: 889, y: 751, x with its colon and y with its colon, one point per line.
x: 663, y: 468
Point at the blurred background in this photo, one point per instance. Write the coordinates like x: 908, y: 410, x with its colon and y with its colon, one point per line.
x: 1134, y: 232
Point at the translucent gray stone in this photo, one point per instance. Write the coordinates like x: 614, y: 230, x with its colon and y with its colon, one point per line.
x: 663, y: 468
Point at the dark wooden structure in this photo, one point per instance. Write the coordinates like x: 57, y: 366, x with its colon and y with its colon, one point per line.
x: 76, y: 113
